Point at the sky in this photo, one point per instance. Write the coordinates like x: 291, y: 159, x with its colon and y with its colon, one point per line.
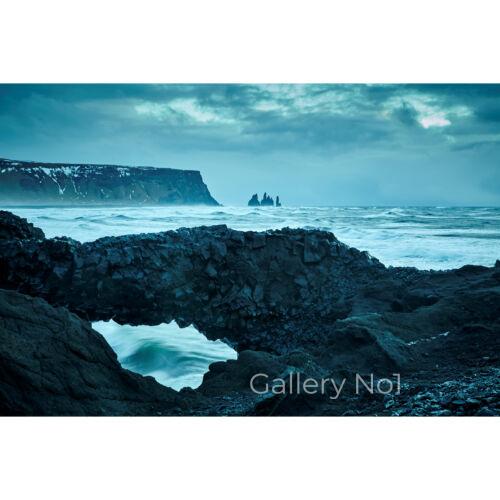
x: 311, y: 144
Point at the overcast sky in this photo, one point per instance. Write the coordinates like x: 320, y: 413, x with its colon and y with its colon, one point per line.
x: 311, y: 144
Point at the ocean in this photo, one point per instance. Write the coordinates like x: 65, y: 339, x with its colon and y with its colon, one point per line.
x: 423, y: 237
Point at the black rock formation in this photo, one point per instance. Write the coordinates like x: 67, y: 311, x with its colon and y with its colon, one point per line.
x: 42, y: 183
x: 290, y: 301
x: 254, y: 201
x: 13, y: 227
x: 53, y: 363
x: 267, y: 201
x: 229, y: 284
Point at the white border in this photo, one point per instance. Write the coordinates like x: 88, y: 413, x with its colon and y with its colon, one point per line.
x: 219, y: 458
x: 258, y: 41
x: 242, y: 41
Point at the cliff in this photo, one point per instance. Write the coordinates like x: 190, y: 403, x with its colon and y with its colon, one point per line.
x: 59, y: 183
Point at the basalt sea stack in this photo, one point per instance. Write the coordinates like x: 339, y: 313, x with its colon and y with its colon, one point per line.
x: 60, y: 183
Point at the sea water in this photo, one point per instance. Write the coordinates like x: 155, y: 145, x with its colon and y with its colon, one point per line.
x: 423, y: 237
x: 175, y: 357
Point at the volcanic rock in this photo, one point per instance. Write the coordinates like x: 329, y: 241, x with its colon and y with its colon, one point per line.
x: 14, y: 227
x: 289, y: 301
x: 53, y: 363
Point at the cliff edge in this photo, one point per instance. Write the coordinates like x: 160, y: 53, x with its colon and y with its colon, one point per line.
x: 61, y: 183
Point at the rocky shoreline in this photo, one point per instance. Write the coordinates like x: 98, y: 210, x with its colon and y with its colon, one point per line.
x: 289, y: 301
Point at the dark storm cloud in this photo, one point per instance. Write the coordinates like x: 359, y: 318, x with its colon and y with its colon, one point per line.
x: 322, y: 116
x: 407, y: 115
x: 489, y: 113
x: 260, y: 129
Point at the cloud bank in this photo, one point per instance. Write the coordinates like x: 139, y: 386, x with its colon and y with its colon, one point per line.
x: 312, y: 144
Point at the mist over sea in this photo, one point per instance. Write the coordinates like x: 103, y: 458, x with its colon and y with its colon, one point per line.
x: 423, y: 237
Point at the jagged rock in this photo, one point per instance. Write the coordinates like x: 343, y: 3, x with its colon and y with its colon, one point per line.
x: 60, y: 183
x: 364, y: 344
x: 314, y: 305
x: 149, y: 279
x: 267, y: 201
x: 254, y: 201
x: 14, y: 227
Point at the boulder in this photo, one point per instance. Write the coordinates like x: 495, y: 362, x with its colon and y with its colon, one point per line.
x: 54, y: 363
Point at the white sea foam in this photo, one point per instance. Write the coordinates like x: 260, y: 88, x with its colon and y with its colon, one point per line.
x: 424, y: 237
